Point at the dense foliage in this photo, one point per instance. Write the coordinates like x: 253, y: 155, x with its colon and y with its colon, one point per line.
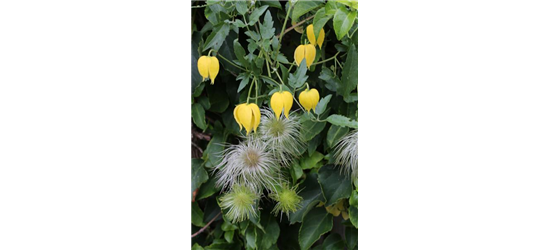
x: 274, y: 111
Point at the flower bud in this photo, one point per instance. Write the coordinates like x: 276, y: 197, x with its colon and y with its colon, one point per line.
x: 311, y: 36
x: 309, y: 99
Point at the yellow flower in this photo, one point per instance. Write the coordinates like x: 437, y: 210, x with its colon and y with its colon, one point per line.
x: 309, y: 99
x: 307, y: 51
x: 311, y: 36
x: 282, y: 101
x: 247, y: 115
x: 208, y: 67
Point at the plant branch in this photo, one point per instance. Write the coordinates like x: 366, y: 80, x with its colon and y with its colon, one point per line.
x: 229, y: 61
x: 207, y: 225
x: 291, y: 28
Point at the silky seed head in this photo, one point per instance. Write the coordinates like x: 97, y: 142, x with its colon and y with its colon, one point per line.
x: 288, y: 200
x: 282, y: 136
x: 346, y: 154
x: 240, y: 203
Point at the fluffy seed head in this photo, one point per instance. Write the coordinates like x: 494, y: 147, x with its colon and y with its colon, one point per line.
x: 288, y: 200
x: 282, y: 136
x: 346, y: 154
x: 240, y: 203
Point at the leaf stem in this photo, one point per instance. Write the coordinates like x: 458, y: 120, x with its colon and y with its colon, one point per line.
x: 282, y: 31
x: 331, y: 58
x: 229, y: 61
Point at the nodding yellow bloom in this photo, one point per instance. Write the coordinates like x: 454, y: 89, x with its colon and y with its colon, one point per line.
x: 309, y: 99
x: 307, y: 51
x: 311, y: 36
x: 208, y: 67
x: 282, y: 101
x: 247, y: 115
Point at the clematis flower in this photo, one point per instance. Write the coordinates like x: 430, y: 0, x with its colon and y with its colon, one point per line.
x: 307, y: 51
x: 208, y: 67
x: 247, y: 115
x: 282, y: 101
x: 309, y: 99
x: 311, y: 36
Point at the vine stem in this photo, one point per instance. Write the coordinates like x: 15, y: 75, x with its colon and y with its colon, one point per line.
x: 250, y: 91
x: 293, y: 27
x: 227, y: 60
x: 207, y: 225
x: 329, y: 59
x: 282, y: 31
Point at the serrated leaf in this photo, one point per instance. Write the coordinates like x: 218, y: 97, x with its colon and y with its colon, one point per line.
x: 266, y: 28
x: 217, y: 37
x: 333, y: 242
x: 349, y: 75
x: 310, y: 129
x: 320, y: 20
x: 311, y: 194
x: 297, y: 79
x: 238, y: 23
x: 334, y: 185
x: 281, y: 58
x: 199, y: 115
x: 253, y: 35
x: 316, y: 223
x: 243, y: 83
x: 343, y: 21
x: 334, y: 134
x: 254, y: 17
x: 343, y: 121
x: 311, y: 161
x: 302, y: 7
x: 332, y: 81
x: 240, y: 53
x: 321, y: 106
x: 241, y: 7
x: 197, y: 216
x: 198, y: 174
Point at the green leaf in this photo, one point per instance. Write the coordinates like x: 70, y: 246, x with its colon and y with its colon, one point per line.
x: 241, y: 7
x: 239, y: 23
x: 343, y: 121
x: 334, y: 185
x: 207, y: 189
x: 205, y: 102
x: 296, y: 172
x: 254, y: 17
x: 353, y: 201
x: 334, y: 134
x: 272, y: 230
x: 353, y: 215
x: 311, y: 161
x: 333, y: 242
x: 266, y: 28
x: 198, y: 174
x: 240, y: 53
x: 302, y: 7
x: 229, y: 236
x: 197, y: 216
x: 349, y: 75
x: 351, y: 3
x: 310, y: 129
x: 272, y: 3
x: 315, y: 223
x: 245, y: 80
x: 281, y: 58
x: 227, y: 226
x: 320, y: 20
x: 313, y: 144
x: 196, y: 78
x: 311, y: 194
x: 321, y: 106
x: 199, y: 115
x: 212, y: 154
x: 351, y: 236
x: 332, y: 81
x: 343, y: 21
x: 251, y: 237
x: 197, y: 247
x: 298, y: 79
x: 217, y: 37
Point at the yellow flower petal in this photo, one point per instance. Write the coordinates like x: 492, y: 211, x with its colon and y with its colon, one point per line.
x: 304, y: 100
x: 311, y: 34
x: 310, y: 54
x: 277, y: 104
x: 245, y: 116
x: 235, y: 114
x: 214, y: 68
x: 320, y: 39
x: 203, y: 65
x: 315, y: 97
x: 299, y: 54
x: 288, y: 102
x: 256, y: 116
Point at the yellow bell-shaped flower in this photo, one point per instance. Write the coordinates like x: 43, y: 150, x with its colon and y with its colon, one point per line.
x: 309, y: 99
x: 307, y: 51
x: 282, y: 101
x: 208, y: 67
x: 247, y: 115
x: 311, y: 36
